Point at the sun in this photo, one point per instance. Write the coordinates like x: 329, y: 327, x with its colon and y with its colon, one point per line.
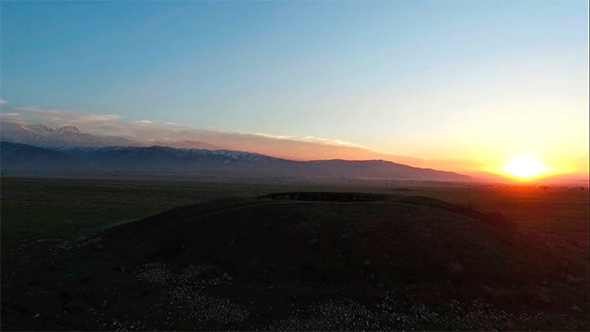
x: 524, y: 167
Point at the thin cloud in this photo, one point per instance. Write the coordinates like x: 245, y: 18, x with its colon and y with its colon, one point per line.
x: 311, y: 139
x: 2, y: 101
x: 10, y: 117
x: 147, y: 132
x: 59, y: 117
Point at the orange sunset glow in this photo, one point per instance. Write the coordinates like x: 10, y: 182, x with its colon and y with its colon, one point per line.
x: 524, y: 168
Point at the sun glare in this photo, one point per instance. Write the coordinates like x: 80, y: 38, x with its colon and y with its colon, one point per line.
x: 524, y: 167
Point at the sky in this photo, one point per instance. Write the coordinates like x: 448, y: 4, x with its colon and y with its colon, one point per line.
x: 463, y: 86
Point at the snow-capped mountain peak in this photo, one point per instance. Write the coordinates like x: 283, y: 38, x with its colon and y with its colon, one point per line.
x: 71, y: 136
x: 38, y: 128
x: 70, y: 129
x: 67, y: 136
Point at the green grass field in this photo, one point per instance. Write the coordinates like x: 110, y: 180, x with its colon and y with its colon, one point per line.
x: 44, y: 222
x: 33, y: 207
x: 39, y: 207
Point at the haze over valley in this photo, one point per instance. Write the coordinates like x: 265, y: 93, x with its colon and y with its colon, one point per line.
x: 42, y: 150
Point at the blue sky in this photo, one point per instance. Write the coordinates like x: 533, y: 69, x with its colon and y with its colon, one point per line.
x: 417, y: 78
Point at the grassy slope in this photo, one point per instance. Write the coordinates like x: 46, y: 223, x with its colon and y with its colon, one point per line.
x: 37, y: 207
x: 554, y: 221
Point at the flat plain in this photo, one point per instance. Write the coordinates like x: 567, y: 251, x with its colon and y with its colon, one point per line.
x: 109, y: 254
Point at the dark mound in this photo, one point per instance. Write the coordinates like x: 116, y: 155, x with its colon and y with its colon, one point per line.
x: 307, y: 261
x: 328, y: 197
x: 494, y: 218
x: 391, y: 243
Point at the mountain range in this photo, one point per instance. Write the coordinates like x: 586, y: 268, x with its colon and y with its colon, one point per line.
x: 72, y: 136
x: 19, y: 158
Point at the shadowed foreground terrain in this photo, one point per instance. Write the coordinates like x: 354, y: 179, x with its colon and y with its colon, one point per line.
x: 303, y: 260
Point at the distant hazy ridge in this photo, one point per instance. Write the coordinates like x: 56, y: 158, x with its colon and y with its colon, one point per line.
x: 23, y: 158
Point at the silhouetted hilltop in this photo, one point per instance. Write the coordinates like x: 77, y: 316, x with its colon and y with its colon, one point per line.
x: 324, y: 261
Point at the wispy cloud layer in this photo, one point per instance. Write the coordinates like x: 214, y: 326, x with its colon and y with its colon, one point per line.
x: 147, y: 131
x: 59, y: 117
